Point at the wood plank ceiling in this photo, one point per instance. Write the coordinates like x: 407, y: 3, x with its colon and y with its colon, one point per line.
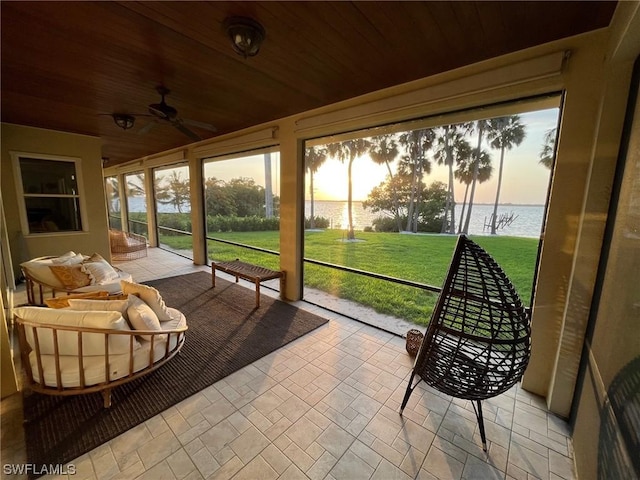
x: 67, y: 64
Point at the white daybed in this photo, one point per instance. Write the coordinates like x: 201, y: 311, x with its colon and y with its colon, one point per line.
x: 89, y: 346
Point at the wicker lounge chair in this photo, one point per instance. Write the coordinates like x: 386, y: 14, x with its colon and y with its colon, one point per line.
x: 477, y: 344
x: 127, y: 246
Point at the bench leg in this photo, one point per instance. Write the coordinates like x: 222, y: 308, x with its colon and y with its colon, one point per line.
x: 282, y: 285
x: 257, y: 293
x: 213, y: 276
x: 106, y: 395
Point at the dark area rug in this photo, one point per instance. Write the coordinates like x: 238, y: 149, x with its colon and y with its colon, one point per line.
x: 226, y: 332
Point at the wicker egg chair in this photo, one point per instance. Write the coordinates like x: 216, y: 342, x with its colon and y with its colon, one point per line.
x: 477, y: 344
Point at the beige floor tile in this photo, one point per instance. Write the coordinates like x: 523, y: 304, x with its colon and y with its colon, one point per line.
x: 443, y: 466
x: 303, y: 433
x: 249, y: 444
x: 388, y: 471
x: 531, y: 462
x: 352, y: 467
x: 335, y: 440
x: 275, y: 458
x: 158, y: 449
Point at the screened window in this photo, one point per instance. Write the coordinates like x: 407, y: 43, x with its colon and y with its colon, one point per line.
x: 51, y: 196
x: 114, y: 208
x: 390, y: 201
x: 242, y: 207
x: 173, y: 209
x: 137, y: 203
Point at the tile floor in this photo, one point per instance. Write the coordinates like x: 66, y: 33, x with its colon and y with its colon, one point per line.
x: 323, y: 407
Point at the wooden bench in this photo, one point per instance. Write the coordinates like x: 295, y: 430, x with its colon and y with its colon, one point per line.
x: 247, y: 271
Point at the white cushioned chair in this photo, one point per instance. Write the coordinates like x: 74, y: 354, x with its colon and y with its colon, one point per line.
x: 70, y: 273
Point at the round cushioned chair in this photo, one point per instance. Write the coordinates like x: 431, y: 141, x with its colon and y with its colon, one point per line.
x: 477, y: 344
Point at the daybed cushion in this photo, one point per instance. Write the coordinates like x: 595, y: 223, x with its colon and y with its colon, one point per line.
x: 150, y: 296
x: 118, y: 364
x: 94, y: 366
x: 92, y: 343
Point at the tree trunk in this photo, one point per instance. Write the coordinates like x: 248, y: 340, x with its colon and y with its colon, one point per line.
x: 396, y: 203
x: 312, y: 220
x: 268, y: 188
x: 452, y: 204
x: 464, y: 205
x: 350, y: 233
x: 476, y: 170
x: 412, y: 196
x: 495, y: 205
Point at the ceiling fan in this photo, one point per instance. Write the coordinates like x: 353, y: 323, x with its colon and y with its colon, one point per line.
x: 161, y: 112
x: 164, y: 112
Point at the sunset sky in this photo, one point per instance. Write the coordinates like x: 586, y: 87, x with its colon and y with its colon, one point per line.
x: 525, y: 180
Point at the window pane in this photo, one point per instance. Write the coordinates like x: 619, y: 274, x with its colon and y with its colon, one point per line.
x: 173, y: 209
x: 53, y: 214
x: 392, y: 204
x: 242, y: 206
x: 137, y: 203
x: 48, y: 177
x: 113, y: 202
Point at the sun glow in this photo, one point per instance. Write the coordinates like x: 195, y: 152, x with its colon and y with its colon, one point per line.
x: 330, y: 182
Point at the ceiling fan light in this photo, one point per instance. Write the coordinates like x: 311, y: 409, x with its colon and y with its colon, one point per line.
x: 246, y: 35
x: 123, y: 120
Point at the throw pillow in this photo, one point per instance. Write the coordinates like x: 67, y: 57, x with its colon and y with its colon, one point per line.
x: 63, y: 302
x: 150, y: 296
x: 71, y: 276
x: 99, y: 270
x: 142, y: 317
x: 100, y: 305
x: 69, y: 258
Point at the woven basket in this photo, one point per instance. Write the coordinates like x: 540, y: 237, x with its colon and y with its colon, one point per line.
x: 414, y: 340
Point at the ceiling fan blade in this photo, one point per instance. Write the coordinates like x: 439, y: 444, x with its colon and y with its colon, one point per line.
x: 186, y: 131
x: 148, y: 127
x: 202, y: 125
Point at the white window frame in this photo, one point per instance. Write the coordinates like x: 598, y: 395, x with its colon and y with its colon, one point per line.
x: 21, y: 195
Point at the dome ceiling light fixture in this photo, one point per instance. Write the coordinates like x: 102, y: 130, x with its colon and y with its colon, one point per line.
x: 246, y: 35
x: 124, y: 120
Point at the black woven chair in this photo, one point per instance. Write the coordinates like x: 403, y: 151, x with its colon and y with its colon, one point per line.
x: 477, y: 344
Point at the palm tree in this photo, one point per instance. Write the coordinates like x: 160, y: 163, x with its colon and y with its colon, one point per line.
x: 416, y: 143
x: 504, y: 133
x: 480, y: 126
x: 314, y: 157
x: 469, y: 172
x: 450, y: 146
x: 384, y: 150
x: 548, y: 147
x: 349, y: 150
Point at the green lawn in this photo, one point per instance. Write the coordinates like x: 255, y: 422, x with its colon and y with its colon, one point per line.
x: 421, y: 258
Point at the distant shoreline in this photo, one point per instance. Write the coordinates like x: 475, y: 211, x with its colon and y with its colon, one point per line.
x: 458, y: 203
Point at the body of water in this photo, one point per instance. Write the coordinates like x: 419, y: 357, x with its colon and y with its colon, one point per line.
x: 527, y: 219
